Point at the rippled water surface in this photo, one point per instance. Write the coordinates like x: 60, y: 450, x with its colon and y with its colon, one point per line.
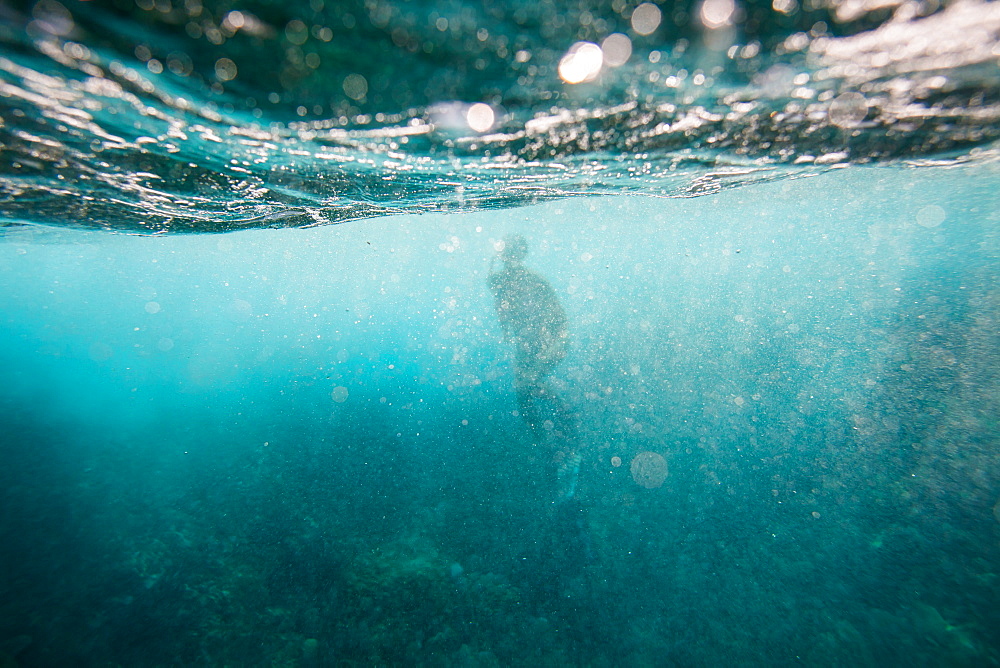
x: 184, y: 117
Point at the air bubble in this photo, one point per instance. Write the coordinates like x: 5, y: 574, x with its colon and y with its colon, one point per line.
x: 930, y: 216
x: 848, y: 109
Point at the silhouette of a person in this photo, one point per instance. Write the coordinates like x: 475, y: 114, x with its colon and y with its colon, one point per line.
x: 531, y: 318
x: 535, y: 322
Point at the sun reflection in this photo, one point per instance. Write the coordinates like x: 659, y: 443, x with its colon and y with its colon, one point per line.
x: 617, y: 49
x: 717, y: 13
x: 480, y: 117
x: 581, y: 63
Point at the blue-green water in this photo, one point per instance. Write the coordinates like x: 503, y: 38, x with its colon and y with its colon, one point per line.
x: 305, y: 443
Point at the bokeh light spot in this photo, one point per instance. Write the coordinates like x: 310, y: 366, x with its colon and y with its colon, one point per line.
x: 646, y: 18
x: 225, y: 69
x: 785, y: 6
x: 930, y: 216
x: 296, y: 32
x: 355, y: 86
x: 339, y: 394
x: 649, y: 469
x: 234, y: 20
x: 848, y: 109
x: 617, y: 49
x: 717, y: 13
x: 480, y: 117
x: 581, y: 63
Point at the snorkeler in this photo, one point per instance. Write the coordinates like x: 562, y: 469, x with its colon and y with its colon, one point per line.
x: 532, y: 318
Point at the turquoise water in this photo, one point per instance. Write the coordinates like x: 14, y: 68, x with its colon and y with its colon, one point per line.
x: 183, y: 478
x: 235, y: 433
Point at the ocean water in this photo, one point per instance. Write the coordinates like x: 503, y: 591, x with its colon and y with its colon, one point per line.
x: 259, y: 406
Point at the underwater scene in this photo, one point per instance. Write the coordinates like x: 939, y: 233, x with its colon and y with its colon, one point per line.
x: 468, y: 333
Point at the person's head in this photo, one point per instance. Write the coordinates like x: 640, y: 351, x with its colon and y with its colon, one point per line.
x: 515, y: 248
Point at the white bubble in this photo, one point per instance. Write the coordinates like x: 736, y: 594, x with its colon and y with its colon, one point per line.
x: 339, y: 394
x: 581, y: 63
x: 717, y: 13
x: 617, y: 49
x: 931, y: 216
x: 165, y: 344
x: 848, y: 109
x: 646, y: 18
x: 152, y: 307
x: 480, y: 117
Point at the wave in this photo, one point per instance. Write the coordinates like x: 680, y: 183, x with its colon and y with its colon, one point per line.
x: 98, y: 138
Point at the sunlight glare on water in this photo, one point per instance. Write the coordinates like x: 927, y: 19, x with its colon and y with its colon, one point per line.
x: 113, y: 129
